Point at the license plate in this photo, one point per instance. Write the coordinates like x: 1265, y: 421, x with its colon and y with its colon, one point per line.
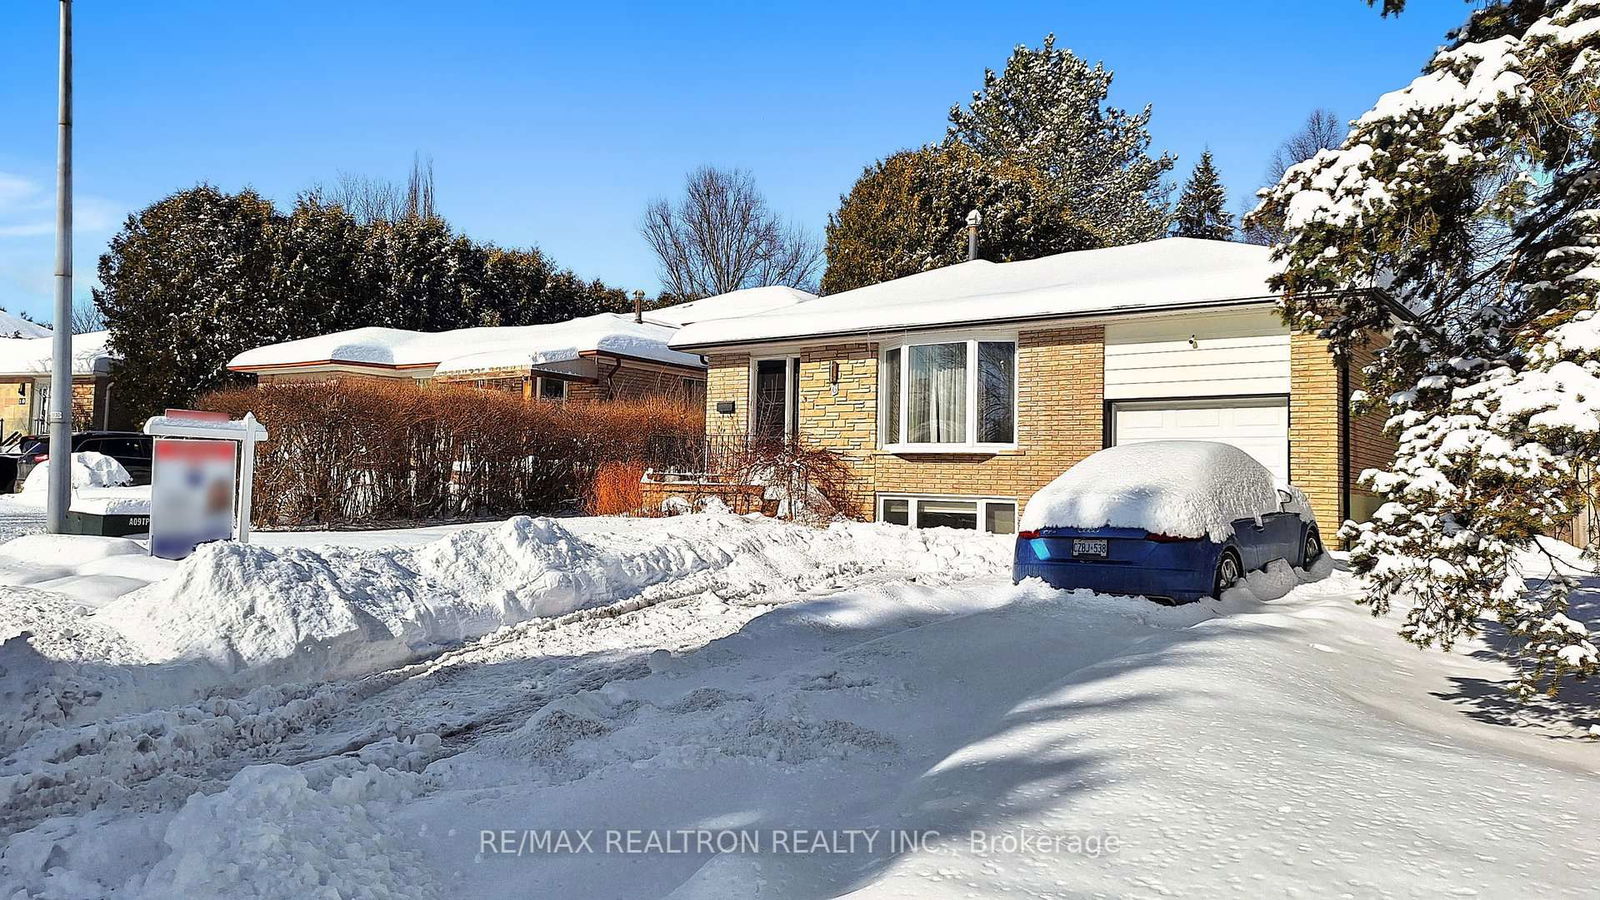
x: 1089, y: 547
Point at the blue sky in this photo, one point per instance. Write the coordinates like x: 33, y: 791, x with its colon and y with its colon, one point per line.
x: 554, y: 125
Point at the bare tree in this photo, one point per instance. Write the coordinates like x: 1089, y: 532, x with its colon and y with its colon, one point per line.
x: 722, y: 237
x: 419, y: 189
x: 370, y: 199
x: 86, y: 317
x: 1322, y: 131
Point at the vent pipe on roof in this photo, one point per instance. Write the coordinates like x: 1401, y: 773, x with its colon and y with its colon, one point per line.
x: 638, y: 307
x: 974, y: 219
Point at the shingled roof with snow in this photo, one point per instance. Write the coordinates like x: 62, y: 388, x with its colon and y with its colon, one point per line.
x: 1168, y: 273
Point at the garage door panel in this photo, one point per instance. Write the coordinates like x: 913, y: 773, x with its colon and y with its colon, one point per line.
x: 1258, y: 426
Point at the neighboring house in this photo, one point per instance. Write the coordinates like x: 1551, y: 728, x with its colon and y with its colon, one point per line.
x: 600, y: 357
x: 957, y: 393
x: 25, y: 382
x: 15, y: 326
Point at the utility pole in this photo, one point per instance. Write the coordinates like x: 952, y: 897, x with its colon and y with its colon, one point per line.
x: 974, y: 219
x: 58, y: 497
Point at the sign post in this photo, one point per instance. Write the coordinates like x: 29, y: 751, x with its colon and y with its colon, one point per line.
x: 203, y: 461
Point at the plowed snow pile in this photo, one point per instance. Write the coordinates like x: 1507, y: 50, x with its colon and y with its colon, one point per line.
x: 244, y: 615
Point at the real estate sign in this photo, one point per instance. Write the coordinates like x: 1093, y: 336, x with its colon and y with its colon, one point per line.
x: 192, y: 491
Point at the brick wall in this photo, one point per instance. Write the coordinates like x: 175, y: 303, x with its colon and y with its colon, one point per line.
x: 1314, y: 444
x: 842, y: 416
x: 1370, y: 448
x: 1060, y: 417
x: 727, y: 380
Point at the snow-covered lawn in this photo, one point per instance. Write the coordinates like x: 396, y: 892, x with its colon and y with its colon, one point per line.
x: 457, y: 712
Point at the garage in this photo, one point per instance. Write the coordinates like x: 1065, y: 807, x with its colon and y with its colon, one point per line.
x: 1257, y: 425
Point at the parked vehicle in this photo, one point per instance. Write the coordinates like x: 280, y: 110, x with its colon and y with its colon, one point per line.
x: 130, y: 448
x: 1171, y: 520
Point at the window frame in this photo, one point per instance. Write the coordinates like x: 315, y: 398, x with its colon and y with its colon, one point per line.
x: 981, y: 505
x: 972, y: 339
x: 538, y: 390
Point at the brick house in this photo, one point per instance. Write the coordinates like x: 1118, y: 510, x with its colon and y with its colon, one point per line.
x: 25, y: 383
x: 955, y: 394
x: 595, y: 358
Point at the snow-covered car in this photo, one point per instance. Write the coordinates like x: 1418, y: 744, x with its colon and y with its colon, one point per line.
x: 1171, y: 520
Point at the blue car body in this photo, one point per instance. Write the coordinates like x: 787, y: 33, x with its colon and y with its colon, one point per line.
x: 1134, y: 561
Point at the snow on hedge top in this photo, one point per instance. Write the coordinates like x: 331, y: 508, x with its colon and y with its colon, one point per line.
x: 473, y: 348
x: 16, y: 326
x: 1178, y: 488
x: 31, y: 356
x: 1153, y: 274
x: 746, y: 302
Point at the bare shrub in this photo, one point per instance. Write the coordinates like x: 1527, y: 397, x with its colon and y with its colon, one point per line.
x: 366, y: 451
x: 617, y: 489
x: 809, y: 483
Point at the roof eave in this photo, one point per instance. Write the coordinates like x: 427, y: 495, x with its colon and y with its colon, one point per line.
x: 974, y: 323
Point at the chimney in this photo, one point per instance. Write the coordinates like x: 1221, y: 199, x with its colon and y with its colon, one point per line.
x: 974, y: 219
x: 638, y: 306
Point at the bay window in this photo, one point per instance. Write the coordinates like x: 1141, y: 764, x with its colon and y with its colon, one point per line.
x: 948, y: 394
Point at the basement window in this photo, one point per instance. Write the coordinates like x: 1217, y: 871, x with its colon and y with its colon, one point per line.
x: 995, y: 515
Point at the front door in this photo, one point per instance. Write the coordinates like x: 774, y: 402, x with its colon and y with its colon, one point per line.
x: 774, y: 405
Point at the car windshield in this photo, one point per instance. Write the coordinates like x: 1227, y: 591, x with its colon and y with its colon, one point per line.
x: 34, y: 445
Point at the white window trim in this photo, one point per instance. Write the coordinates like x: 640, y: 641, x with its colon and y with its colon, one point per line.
x: 971, y: 339
x: 538, y: 389
x: 982, y: 507
x: 790, y: 398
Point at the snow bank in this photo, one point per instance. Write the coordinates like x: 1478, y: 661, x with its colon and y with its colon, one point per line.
x: 89, y: 470
x: 1179, y: 488
x: 246, y: 615
x: 270, y: 835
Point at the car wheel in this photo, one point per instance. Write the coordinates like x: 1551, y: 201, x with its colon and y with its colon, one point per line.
x: 1312, y: 551
x: 1228, y: 573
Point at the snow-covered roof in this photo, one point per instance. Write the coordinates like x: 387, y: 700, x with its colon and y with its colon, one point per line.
x: 748, y: 301
x: 538, y: 345
x: 1178, y: 488
x: 31, y: 356
x: 467, y: 349
x: 1156, y: 274
x: 12, y: 324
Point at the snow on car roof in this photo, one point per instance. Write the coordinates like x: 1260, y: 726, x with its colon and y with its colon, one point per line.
x: 1178, y: 488
x: 475, y: 348
x: 1154, y: 274
x: 31, y: 356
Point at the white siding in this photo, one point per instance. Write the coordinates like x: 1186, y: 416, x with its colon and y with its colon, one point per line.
x: 1239, y: 352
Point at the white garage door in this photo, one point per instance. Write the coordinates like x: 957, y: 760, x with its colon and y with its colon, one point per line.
x: 1259, y: 427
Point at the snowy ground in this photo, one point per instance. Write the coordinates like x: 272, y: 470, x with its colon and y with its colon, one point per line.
x: 455, y: 712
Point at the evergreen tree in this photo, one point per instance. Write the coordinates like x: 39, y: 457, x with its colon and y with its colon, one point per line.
x: 1047, y: 111
x: 908, y: 214
x: 1473, y: 196
x: 1202, y: 207
x: 187, y: 284
x: 201, y: 275
x: 318, y: 268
